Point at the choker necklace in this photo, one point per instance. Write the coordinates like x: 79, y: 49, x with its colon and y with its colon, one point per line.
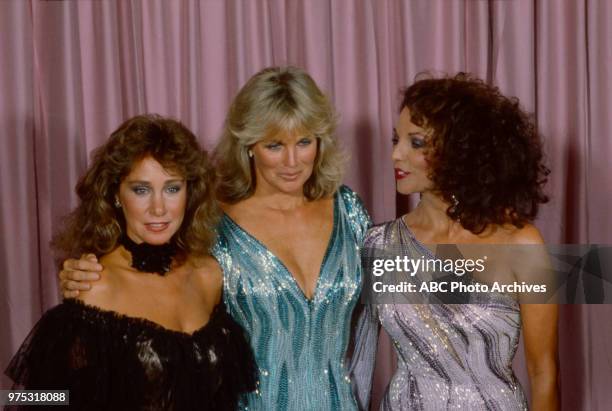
x: 150, y: 258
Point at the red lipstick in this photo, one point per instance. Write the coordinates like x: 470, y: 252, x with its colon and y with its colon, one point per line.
x: 399, y: 174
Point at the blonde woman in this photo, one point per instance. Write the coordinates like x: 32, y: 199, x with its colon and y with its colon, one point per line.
x: 288, y: 241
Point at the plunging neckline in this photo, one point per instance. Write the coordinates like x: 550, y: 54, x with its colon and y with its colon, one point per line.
x: 280, y: 262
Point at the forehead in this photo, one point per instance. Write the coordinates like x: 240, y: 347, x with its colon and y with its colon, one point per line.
x: 405, y: 124
x: 285, y: 135
x: 149, y: 169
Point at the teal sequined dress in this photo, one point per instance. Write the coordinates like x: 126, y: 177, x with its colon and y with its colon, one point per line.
x: 299, y: 344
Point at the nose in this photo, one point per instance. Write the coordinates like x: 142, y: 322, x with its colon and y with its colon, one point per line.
x: 396, y: 155
x: 291, y: 156
x: 158, y: 205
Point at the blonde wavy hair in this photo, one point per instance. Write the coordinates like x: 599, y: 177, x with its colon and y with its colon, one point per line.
x: 274, y: 99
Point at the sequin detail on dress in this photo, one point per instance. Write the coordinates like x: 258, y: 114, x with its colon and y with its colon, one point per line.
x: 299, y: 344
x: 450, y: 356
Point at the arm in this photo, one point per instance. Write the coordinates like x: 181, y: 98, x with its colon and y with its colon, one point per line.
x: 539, y: 322
x: 76, y: 275
x: 363, y: 358
x: 57, y: 354
x: 540, y: 333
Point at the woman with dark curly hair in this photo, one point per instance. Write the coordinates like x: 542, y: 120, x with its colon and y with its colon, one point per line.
x: 153, y: 334
x: 476, y: 159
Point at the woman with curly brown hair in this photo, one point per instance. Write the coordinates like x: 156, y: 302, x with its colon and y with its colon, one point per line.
x: 288, y: 241
x: 476, y: 159
x: 153, y: 334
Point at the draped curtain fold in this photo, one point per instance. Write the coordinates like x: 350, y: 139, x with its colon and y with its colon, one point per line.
x: 72, y: 71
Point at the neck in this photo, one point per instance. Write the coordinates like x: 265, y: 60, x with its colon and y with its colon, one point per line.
x: 149, y: 258
x: 431, y: 211
x: 279, y: 201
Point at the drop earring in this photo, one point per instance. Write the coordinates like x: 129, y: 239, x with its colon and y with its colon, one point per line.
x: 250, y: 153
x: 453, y: 207
x: 455, y: 201
x: 117, y: 203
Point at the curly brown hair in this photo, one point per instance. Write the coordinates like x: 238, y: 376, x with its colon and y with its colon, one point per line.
x: 485, y: 153
x: 96, y: 225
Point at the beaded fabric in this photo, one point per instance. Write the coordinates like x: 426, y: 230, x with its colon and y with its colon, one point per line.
x: 110, y: 361
x: 299, y: 344
x: 450, y: 356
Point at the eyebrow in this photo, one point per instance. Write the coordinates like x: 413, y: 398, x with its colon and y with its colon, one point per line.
x: 143, y: 182
x: 282, y: 143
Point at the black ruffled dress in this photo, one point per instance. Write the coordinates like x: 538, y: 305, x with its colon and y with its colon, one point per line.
x: 109, y: 361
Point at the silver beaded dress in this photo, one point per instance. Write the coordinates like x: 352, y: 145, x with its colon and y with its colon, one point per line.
x: 299, y: 344
x: 450, y: 356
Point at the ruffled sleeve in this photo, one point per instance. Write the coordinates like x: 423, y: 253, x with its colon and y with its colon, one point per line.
x: 66, y: 352
x: 231, y: 352
x: 110, y: 361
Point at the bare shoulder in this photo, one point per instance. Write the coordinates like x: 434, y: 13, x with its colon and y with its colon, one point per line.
x: 240, y: 212
x: 208, y: 268
x: 323, y: 203
x: 528, y: 256
x: 238, y: 207
x: 528, y: 234
x: 208, y: 276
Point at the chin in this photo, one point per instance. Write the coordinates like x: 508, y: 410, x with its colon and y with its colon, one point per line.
x: 409, y: 190
x: 409, y: 187
x: 404, y: 189
x: 157, y: 239
x: 291, y: 187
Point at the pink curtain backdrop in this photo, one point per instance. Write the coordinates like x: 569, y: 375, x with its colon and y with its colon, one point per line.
x: 71, y: 71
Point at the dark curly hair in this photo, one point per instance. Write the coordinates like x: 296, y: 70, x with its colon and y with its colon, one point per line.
x: 96, y: 225
x: 485, y: 153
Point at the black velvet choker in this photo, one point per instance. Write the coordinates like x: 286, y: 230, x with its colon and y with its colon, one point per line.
x: 150, y: 258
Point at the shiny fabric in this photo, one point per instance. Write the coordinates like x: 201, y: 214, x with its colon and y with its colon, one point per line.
x: 109, y: 361
x: 299, y: 344
x: 149, y: 258
x: 72, y: 71
x: 450, y: 356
